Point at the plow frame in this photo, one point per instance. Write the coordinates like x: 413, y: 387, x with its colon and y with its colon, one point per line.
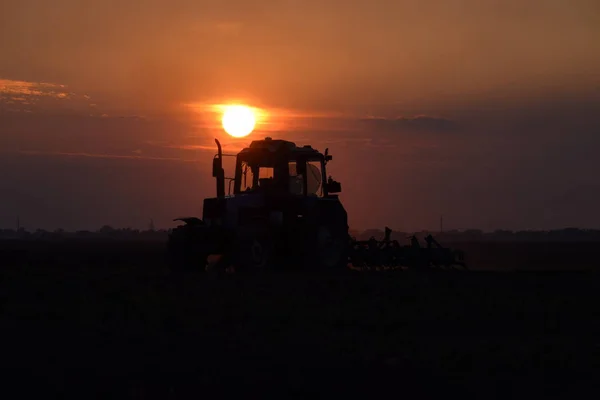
x: 390, y: 254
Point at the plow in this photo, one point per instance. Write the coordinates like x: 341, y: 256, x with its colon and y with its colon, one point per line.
x: 389, y: 254
x: 282, y: 211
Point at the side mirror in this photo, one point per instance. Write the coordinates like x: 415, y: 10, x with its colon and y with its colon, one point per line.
x: 217, y: 169
x: 333, y: 186
x: 327, y: 156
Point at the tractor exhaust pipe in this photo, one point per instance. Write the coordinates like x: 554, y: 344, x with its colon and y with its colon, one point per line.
x: 218, y: 171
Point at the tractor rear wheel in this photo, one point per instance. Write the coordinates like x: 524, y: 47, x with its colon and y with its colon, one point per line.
x: 255, y: 249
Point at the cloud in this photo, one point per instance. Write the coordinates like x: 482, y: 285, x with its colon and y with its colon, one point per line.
x: 196, y: 147
x: 419, y: 123
x: 27, y: 93
x: 39, y: 96
x: 8, y: 86
x: 228, y: 28
x: 269, y: 119
x: 93, y: 155
x: 324, y: 128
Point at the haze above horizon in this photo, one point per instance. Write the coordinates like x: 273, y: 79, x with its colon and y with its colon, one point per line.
x: 486, y: 112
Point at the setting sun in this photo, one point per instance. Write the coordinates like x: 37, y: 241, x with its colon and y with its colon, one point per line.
x: 238, y: 121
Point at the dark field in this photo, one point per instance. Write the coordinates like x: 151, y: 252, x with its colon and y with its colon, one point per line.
x: 109, y: 319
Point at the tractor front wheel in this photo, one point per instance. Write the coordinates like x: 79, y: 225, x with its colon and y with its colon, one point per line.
x: 329, y: 249
x: 185, y: 251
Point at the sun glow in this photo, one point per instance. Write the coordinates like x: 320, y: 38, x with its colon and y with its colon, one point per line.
x: 238, y: 120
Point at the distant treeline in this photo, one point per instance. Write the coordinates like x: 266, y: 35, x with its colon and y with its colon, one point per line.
x: 476, y: 235
x: 105, y: 232
x: 470, y: 235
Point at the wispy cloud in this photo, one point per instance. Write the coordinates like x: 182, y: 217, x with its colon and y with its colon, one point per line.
x: 268, y: 119
x: 13, y: 87
x: 190, y: 147
x: 24, y: 96
x: 223, y: 27
x: 285, y: 121
x: 228, y: 27
x: 320, y: 127
x: 93, y: 155
x: 419, y: 123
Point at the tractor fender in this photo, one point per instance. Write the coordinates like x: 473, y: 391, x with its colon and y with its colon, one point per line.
x: 327, y: 235
x: 190, y: 220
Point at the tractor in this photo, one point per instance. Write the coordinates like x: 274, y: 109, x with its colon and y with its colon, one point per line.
x: 281, y: 211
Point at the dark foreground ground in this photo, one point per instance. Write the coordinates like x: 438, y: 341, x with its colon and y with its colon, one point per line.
x: 109, y: 320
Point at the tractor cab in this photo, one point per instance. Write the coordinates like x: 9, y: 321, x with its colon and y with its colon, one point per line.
x: 278, y: 167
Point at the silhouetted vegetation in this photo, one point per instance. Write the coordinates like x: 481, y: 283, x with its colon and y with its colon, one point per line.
x: 104, y: 233
x: 477, y: 235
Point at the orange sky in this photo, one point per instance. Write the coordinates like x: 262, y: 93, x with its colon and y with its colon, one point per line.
x: 485, y: 111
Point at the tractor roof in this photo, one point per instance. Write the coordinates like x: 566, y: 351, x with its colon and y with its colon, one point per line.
x: 278, y: 145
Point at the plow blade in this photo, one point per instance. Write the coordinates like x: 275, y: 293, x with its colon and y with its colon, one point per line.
x: 389, y: 254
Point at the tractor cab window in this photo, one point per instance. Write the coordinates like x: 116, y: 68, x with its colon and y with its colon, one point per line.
x: 280, y: 176
x: 314, y: 179
x: 255, y: 176
x: 265, y: 176
x: 247, y: 177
